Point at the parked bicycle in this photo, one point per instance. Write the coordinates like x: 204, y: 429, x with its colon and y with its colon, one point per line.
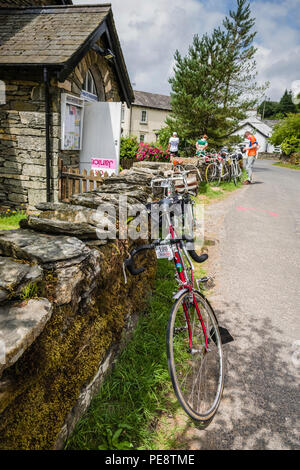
x: 186, y: 178
x: 235, y: 168
x: 218, y: 170
x: 194, y: 337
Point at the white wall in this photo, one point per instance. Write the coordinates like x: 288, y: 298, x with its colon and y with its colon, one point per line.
x: 132, y: 122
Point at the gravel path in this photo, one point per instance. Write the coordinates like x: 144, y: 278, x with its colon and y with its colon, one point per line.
x: 257, y: 297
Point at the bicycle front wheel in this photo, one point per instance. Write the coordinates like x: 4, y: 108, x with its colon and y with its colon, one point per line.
x: 197, y: 374
x: 212, y: 174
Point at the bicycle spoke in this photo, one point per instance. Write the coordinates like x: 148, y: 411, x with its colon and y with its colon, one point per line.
x: 197, y: 373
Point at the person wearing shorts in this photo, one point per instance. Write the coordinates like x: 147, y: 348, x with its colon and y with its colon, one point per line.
x: 252, y: 153
x: 201, y: 146
x: 173, y: 144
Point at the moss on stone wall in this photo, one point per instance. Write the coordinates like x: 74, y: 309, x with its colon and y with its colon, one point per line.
x: 50, y: 375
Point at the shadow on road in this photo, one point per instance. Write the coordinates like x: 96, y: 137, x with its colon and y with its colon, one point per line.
x: 260, y: 403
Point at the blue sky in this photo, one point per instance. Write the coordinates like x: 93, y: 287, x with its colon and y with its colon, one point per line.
x: 151, y: 30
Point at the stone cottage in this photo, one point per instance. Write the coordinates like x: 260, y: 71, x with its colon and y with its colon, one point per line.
x: 55, y: 58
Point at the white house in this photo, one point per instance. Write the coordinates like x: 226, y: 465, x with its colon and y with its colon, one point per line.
x: 261, y: 129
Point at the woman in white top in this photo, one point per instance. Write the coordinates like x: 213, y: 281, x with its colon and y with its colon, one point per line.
x: 173, y: 144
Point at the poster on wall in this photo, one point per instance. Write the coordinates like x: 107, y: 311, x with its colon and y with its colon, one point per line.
x: 72, y: 109
x: 104, y: 165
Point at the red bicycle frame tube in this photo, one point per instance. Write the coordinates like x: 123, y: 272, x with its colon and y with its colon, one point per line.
x: 187, y: 285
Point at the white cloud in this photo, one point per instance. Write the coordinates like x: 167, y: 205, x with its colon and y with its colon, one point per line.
x: 278, y: 42
x: 151, y: 31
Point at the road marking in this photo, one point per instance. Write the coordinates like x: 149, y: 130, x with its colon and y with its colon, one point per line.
x: 243, y: 209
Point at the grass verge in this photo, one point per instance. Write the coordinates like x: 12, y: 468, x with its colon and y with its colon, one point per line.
x: 209, y: 193
x: 10, y: 219
x: 287, y: 165
x: 125, y: 413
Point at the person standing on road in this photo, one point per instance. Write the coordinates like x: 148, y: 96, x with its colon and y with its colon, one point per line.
x: 201, y: 145
x: 173, y: 144
x: 252, y: 153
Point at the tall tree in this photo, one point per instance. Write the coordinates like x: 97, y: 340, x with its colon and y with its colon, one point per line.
x: 286, y: 104
x: 214, y: 84
x: 267, y: 109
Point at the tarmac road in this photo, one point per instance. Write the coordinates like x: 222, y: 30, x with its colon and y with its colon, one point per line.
x: 258, y: 299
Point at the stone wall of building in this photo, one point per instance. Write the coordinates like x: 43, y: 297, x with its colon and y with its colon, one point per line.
x: 22, y: 130
x: 22, y: 143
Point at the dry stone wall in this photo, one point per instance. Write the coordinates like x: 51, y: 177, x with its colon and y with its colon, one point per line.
x: 65, y: 313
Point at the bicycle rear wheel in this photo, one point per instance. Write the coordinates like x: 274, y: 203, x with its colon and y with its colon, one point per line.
x: 197, y: 374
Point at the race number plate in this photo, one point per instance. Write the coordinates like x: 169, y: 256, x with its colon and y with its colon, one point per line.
x: 164, y: 251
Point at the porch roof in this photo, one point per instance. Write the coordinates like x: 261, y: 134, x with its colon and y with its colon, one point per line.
x: 46, y: 35
x: 58, y: 37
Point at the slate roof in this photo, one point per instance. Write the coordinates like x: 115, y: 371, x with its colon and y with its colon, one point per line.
x: 261, y: 126
x: 271, y: 122
x: 58, y: 37
x: 46, y: 35
x: 152, y: 100
x: 30, y: 3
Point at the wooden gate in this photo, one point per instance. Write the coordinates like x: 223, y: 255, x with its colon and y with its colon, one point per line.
x: 71, y: 181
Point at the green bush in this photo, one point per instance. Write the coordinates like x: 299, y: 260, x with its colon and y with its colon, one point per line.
x: 290, y: 145
x: 128, y: 147
x: 287, y: 134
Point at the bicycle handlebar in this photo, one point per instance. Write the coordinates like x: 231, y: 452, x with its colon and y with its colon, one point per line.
x: 129, y: 262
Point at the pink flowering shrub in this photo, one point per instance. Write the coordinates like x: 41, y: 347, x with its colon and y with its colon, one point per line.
x: 152, y: 153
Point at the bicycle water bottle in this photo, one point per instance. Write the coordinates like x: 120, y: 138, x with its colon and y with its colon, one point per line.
x: 179, y: 267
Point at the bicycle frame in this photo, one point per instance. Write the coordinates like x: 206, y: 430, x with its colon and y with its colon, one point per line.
x: 187, y: 284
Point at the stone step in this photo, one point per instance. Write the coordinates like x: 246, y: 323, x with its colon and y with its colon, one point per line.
x: 15, y: 275
x: 153, y: 165
x: 20, y: 324
x: 41, y: 248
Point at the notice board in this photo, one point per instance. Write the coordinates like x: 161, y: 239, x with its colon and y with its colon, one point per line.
x: 72, y: 110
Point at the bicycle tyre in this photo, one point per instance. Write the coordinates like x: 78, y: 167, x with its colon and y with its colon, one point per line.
x: 239, y: 173
x: 212, y: 174
x: 185, y: 367
x: 227, y: 172
x: 233, y: 173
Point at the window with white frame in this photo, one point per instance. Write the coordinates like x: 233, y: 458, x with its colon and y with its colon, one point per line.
x: 123, y: 113
x: 89, y: 90
x: 142, y: 137
x: 2, y: 92
x: 144, y: 116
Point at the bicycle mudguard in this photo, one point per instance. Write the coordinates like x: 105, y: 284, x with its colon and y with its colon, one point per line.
x: 178, y: 294
x: 225, y: 335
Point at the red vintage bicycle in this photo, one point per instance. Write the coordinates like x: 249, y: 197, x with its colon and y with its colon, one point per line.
x: 194, y: 338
